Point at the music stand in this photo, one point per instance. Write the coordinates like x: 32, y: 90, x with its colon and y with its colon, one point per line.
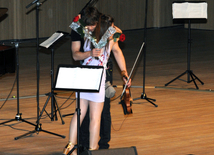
x: 189, y: 11
x: 71, y: 77
x: 51, y: 44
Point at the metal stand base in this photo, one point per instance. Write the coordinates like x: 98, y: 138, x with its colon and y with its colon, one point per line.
x: 17, y: 118
x: 54, y: 105
x: 189, y: 74
x: 38, y: 128
x: 188, y: 71
x: 143, y: 96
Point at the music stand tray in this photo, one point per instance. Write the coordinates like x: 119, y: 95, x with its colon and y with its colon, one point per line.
x: 79, y: 79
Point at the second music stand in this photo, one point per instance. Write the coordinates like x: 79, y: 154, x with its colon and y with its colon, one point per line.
x: 51, y: 44
x: 189, y: 11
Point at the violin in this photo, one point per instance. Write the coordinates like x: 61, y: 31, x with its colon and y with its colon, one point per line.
x: 126, y: 101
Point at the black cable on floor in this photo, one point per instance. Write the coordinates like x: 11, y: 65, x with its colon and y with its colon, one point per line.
x: 8, y: 94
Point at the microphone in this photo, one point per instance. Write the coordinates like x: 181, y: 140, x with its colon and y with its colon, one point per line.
x: 35, y: 1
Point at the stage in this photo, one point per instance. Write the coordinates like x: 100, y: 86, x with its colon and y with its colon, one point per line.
x: 182, y: 124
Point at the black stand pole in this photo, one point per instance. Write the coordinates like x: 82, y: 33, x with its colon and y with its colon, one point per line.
x: 78, y: 110
x: 51, y: 95
x: 143, y: 95
x: 38, y: 126
x: 18, y: 115
x: 188, y: 71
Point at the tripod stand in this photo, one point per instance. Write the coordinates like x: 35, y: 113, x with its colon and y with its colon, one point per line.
x: 189, y: 72
x: 38, y: 126
x: 18, y: 116
x: 143, y: 95
x: 52, y: 95
x: 57, y: 37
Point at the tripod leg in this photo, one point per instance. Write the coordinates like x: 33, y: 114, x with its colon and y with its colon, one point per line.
x: 31, y: 132
x: 197, y: 78
x: 38, y: 128
x: 7, y: 121
x: 53, y: 108
x: 47, y: 114
x: 149, y: 100
x: 152, y: 103
x: 53, y: 133
x: 59, y: 111
x: 190, y: 73
x: 67, y: 114
x: 175, y: 78
x: 27, y: 122
x: 143, y: 96
x: 43, y: 109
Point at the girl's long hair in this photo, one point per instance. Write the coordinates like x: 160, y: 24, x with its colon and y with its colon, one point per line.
x: 103, y: 24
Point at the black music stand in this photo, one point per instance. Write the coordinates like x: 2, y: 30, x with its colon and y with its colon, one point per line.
x: 70, y: 77
x: 51, y: 44
x: 181, y: 11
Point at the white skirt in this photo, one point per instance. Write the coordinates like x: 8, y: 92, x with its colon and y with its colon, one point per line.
x: 95, y: 96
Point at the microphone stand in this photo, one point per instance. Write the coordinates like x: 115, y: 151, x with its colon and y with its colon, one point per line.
x: 143, y: 95
x: 38, y: 127
x: 18, y: 116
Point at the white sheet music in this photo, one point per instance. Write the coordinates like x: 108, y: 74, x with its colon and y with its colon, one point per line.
x: 79, y: 78
x: 189, y: 10
x: 47, y: 43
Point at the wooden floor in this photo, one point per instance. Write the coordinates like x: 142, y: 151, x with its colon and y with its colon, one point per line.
x: 182, y: 124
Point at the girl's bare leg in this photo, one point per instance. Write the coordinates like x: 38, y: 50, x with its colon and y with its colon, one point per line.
x: 95, y: 118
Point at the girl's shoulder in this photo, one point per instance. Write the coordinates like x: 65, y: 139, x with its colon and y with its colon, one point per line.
x: 113, y: 37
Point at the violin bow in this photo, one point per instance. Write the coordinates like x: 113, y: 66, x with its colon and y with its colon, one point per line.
x: 132, y: 69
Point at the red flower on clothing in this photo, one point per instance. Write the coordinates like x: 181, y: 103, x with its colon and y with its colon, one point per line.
x: 122, y: 37
x: 76, y: 19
